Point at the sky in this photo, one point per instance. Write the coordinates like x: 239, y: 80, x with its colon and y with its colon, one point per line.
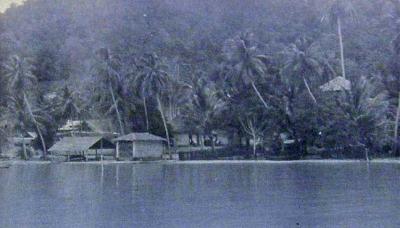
x: 4, y: 4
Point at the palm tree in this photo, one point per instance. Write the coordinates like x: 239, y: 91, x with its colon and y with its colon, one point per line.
x: 205, y: 108
x: 363, y: 112
x: 107, y: 69
x: 244, y: 63
x: 396, y: 128
x: 153, y: 79
x: 20, y: 82
x: 336, y: 12
x: 68, y: 106
x: 303, y: 63
x: 392, y: 83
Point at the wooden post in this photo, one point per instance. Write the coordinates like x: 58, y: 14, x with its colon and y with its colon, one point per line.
x: 117, y: 151
x: 101, y: 148
x: 133, y: 150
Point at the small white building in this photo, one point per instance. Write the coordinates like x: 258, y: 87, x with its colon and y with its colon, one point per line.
x: 93, y: 127
x: 140, y: 145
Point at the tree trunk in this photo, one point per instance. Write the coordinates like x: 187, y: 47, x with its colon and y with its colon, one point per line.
x: 212, y: 144
x: 146, y: 114
x: 25, y: 154
x: 366, y: 154
x: 396, y: 129
x: 339, y: 24
x: 309, y: 90
x: 198, y: 140
x: 116, y: 109
x: 165, y: 125
x: 259, y: 95
x: 254, y: 146
x: 36, y: 125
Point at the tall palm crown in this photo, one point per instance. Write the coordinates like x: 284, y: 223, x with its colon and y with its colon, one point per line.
x: 339, y: 9
x: 69, y: 106
x: 302, y: 59
x: 244, y: 60
x: 335, y: 13
x: 19, y: 74
x: 302, y: 64
x: 153, y: 77
x: 107, y: 67
x: 244, y: 64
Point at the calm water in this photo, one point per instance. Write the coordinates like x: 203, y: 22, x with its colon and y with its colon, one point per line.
x: 201, y: 195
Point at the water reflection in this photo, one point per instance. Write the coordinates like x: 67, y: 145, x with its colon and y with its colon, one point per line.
x: 200, y: 195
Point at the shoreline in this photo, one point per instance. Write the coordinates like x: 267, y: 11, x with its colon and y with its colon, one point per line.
x: 111, y: 162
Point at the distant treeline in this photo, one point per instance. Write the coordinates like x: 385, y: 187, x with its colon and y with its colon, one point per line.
x: 324, y: 73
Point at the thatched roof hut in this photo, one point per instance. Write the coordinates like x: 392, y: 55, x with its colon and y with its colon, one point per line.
x: 336, y: 84
x: 79, y: 145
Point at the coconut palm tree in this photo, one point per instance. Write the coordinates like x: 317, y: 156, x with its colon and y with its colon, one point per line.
x: 153, y: 79
x: 21, y: 81
x: 337, y: 12
x: 107, y: 69
x: 396, y: 127
x: 205, y: 108
x: 303, y: 63
x: 244, y: 63
x: 392, y: 84
x: 361, y: 113
x: 69, y: 105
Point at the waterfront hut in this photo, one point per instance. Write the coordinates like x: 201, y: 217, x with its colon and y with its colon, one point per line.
x: 83, y: 147
x: 140, y: 146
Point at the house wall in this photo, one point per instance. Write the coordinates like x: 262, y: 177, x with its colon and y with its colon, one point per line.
x: 142, y: 149
x: 125, y: 149
x: 147, y: 149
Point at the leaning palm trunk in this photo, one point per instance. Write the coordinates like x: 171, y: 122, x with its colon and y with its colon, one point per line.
x: 259, y: 95
x: 339, y: 24
x: 37, y: 126
x: 396, y: 128
x: 116, y: 109
x: 309, y: 90
x: 146, y: 114
x: 165, y: 125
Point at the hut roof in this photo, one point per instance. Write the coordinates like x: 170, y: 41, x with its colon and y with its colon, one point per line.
x: 79, y: 144
x: 336, y: 84
x: 139, y: 137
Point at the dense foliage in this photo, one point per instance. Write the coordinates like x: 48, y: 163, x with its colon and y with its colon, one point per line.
x: 253, y: 68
